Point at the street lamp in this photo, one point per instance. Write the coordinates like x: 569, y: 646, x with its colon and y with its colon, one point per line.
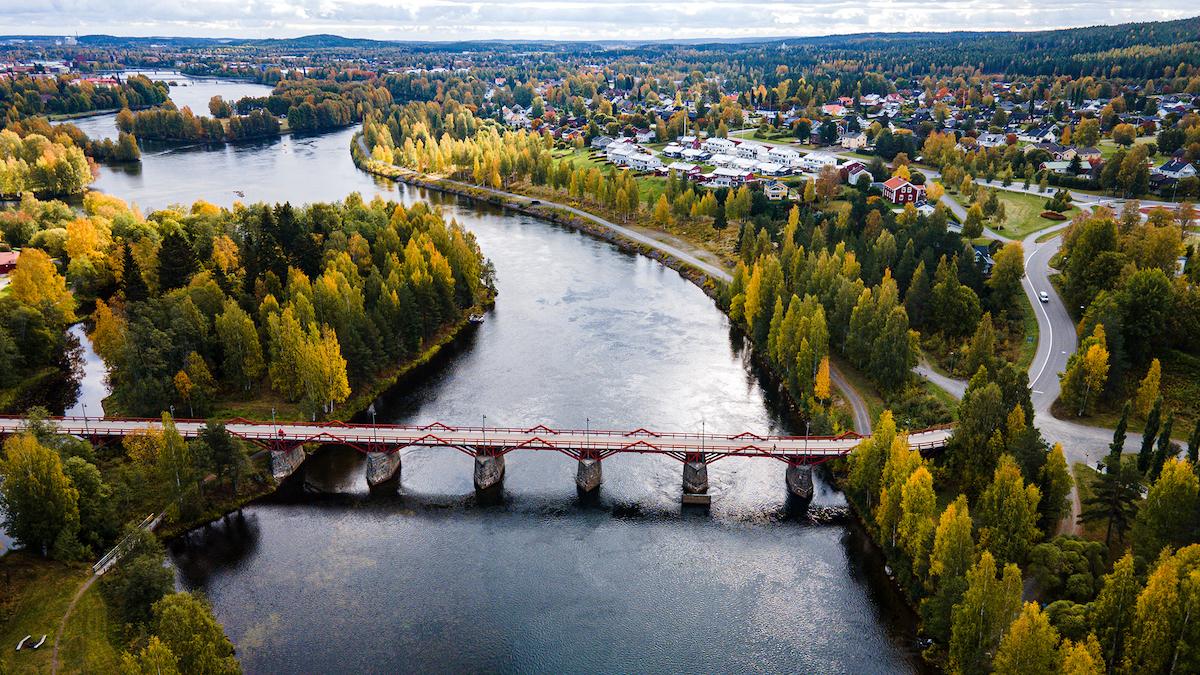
x: 587, y: 431
x: 86, y: 431
x: 371, y: 410
x: 485, y: 430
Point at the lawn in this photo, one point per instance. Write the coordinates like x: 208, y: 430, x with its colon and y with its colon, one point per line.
x: 1108, y: 148
x: 1023, y: 214
x: 34, y: 594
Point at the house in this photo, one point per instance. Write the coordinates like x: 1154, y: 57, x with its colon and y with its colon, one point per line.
x: 1061, y: 168
x: 1047, y: 133
x: 899, y: 191
x: 858, y: 174
x: 644, y: 135
x: 775, y: 191
x: 991, y: 140
x: 855, y: 140
x: 814, y: 161
x: 601, y: 142
x: 983, y: 258
x: 694, y: 155
x: 672, y: 150
x: 785, y: 156
x: 8, y: 260
x: 719, y: 146
x: 684, y: 169
x: 771, y: 169
x: 726, y: 177
x: 752, y: 151
x: 1176, y: 168
x: 642, y: 161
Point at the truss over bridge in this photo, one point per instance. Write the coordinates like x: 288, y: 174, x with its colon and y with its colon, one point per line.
x: 489, y: 445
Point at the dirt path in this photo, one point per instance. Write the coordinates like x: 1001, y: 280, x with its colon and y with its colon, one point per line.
x: 62, y: 625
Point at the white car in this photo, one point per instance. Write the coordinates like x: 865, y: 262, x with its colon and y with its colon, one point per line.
x: 1044, y: 296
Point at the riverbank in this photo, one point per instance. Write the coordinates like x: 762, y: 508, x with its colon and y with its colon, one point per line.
x: 706, y: 276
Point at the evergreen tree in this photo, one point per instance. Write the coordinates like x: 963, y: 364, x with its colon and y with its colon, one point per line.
x: 132, y: 282
x: 1164, y: 450
x: 176, y: 261
x: 1145, y: 454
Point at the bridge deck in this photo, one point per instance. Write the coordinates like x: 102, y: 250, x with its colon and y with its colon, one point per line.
x: 472, y: 440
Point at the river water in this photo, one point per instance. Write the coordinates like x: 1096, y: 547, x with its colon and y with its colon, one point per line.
x: 327, y: 576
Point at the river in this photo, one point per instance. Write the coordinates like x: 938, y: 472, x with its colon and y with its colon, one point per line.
x: 327, y: 576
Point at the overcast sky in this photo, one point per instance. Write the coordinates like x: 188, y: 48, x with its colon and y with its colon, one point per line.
x: 562, y: 19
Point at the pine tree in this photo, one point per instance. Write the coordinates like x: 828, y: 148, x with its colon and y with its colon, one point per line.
x: 1163, y: 453
x: 176, y: 261
x: 1145, y: 456
x: 132, y: 282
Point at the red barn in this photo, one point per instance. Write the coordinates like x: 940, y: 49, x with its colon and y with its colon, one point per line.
x: 899, y: 191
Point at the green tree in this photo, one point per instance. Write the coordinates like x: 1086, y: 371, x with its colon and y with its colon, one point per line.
x: 1149, y: 433
x: 1148, y: 390
x: 952, y: 556
x: 918, y: 508
x: 141, y: 579
x: 239, y: 342
x: 1005, y: 282
x: 185, y: 624
x: 1115, y: 496
x: 1114, y: 610
x: 1008, y: 513
x: 1165, y: 633
x: 154, y: 659
x: 40, y: 506
x: 1165, y: 450
x: 176, y: 260
x: 1055, y: 483
x: 96, y: 516
x: 1168, y: 516
x: 988, y: 607
x: 1029, y: 646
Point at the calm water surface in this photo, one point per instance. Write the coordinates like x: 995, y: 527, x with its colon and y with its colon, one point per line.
x: 327, y: 576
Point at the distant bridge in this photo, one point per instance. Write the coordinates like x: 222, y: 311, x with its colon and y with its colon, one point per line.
x: 488, y: 445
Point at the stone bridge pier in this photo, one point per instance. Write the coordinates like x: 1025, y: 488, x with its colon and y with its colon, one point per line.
x: 589, y: 475
x: 285, y: 461
x: 382, y: 467
x: 695, y: 476
x: 799, y: 481
x: 489, y: 469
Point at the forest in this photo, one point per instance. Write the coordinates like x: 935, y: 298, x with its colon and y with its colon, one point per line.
x: 212, y: 308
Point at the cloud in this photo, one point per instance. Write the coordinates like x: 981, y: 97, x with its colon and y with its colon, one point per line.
x: 561, y: 19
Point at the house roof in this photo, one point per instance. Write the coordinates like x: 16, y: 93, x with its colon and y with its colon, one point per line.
x: 895, y: 182
x: 8, y: 257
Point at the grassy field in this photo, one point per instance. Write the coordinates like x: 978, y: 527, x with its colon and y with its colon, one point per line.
x: 1023, y: 214
x: 1108, y: 148
x: 34, y: 594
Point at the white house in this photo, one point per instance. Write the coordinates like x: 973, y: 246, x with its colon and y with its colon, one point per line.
x: 725, y: 177
x: 771, y: 169
x: 990, y: 140
x: 784, y: 156
x: 814, y: 161
x: 693, y: 155
x: 684, y: 168
x: 752, y: 151
x: 1176, y: 168
x: 722, y: 159
x: 774, y: 190
x: 673, y: 150
x: 643, y: 162
x: 719, y: 146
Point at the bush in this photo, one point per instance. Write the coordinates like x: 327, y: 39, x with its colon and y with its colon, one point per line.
x: 1053, y: 215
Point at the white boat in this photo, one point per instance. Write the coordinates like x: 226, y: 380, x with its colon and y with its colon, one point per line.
x: 475, y: 318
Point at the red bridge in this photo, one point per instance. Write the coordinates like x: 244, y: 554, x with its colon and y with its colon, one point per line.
x: 489, y: 445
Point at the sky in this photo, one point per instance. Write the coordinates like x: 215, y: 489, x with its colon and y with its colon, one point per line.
x: 562, y: 19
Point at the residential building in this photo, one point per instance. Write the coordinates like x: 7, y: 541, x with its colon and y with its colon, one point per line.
x: 899, y: 191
